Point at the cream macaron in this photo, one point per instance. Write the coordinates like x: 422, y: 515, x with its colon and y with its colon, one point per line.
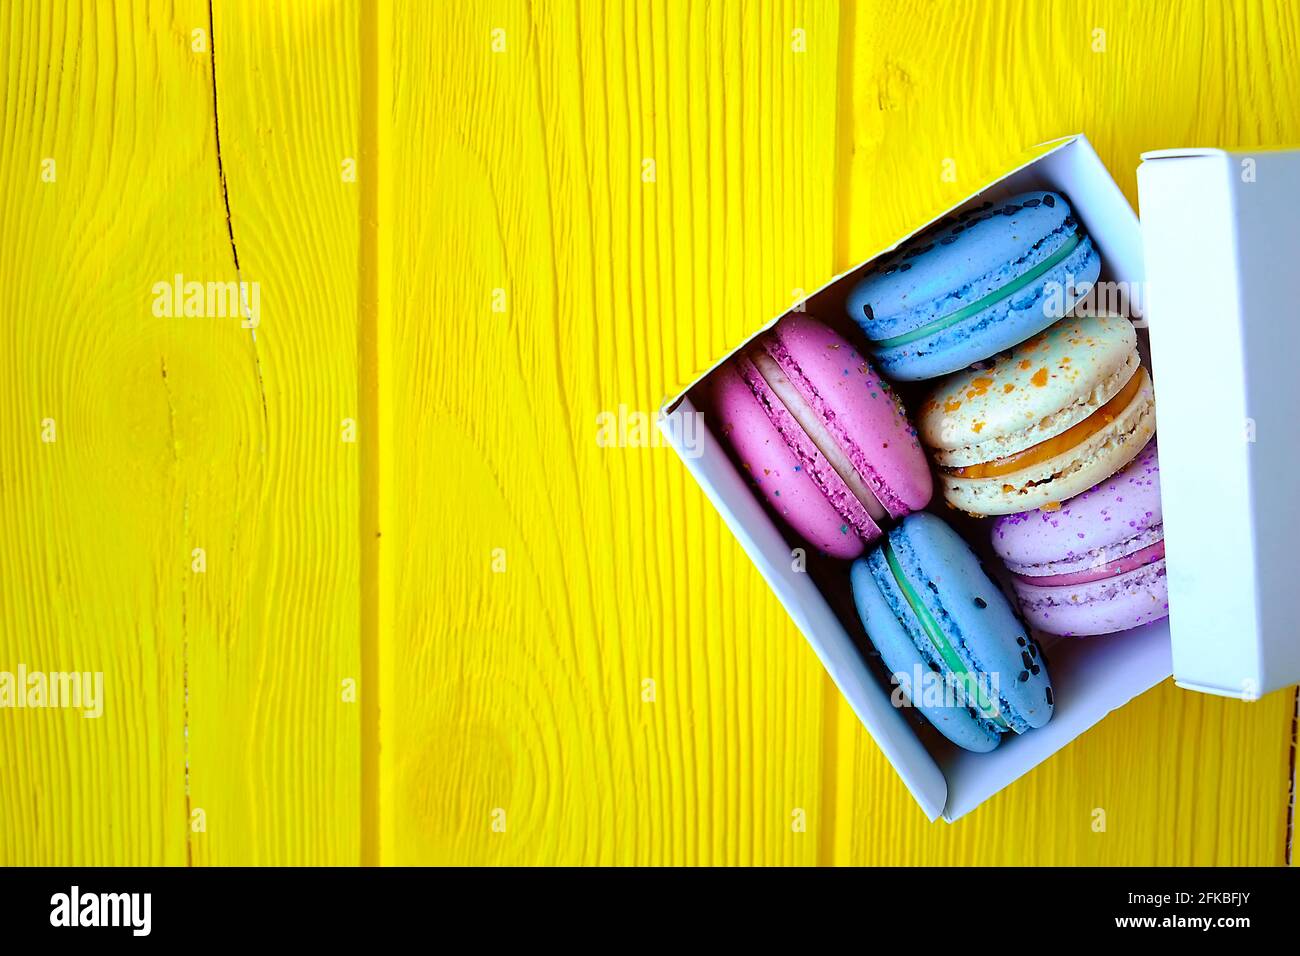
x: 1044, y: 422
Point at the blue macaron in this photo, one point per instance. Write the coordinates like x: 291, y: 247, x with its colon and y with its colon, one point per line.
x: 974, y: 284
x: 955, y: 648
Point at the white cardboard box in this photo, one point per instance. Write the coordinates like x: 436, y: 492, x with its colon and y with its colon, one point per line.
x: 1094, y: 676
x: 1223, y: 252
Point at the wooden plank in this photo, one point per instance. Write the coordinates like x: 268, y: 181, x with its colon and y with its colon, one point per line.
x: 1182, y: 778
x: 274, y: 727
x: 522, y: 171
x: 223, y: 684
x: 95, y: 574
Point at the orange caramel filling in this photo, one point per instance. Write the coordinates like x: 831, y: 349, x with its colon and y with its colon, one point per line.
x: 1075, y: 435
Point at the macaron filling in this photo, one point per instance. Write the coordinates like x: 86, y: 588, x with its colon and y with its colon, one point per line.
x: 994, y: 297
x: 1058, y: 444
x: 1129, y: 562
x: 947, y: 653
x: 812, y: 425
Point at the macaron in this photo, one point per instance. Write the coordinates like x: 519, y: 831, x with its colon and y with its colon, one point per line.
x: 824, y: 439
x: 974, y: 284
x: 1044, y: 422
x: 1096, y: 565
x: 949, y: 636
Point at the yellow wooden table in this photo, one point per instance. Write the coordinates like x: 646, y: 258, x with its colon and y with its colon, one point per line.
x: 364, y: 582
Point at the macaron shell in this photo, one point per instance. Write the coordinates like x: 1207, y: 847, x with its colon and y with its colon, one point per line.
x: 1036, y: 391
x: 783, y: 474
x: 998, y: 327
x: 883, y: 613
x: 861, y: 411
x: 975, y: 615
x: 1063, y: 476
x: 958, y: 261
x: 1100, y: 607
x: 1117, y: 517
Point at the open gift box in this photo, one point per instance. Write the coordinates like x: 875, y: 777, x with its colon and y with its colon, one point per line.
x: 1218, y: 329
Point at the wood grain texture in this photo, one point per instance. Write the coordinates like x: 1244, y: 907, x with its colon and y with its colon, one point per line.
x: 510, y: 270
x: 522, y: 171
x: 96, y: 550
x: 222, y: 686
x: 274, y: 743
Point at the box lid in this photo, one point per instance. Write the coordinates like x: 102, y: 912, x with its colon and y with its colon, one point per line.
x: 1222, y: 251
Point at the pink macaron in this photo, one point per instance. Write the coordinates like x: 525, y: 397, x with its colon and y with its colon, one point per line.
x: 1095, y: 564
x: 823, y: 437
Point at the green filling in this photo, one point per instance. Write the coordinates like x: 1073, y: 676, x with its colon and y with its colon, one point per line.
x: 974, y: 692
x: 997, y: 295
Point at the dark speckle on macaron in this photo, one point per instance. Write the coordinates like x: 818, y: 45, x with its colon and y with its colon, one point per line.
x: 1031, y: 203
x: 866, y: 310
x: 1050, y: 701
x: 1049, y: 201
x: 981, y: 603
x: 1024, y: 676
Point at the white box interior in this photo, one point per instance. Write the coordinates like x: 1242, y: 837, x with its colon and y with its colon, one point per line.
x: 1091, y: 677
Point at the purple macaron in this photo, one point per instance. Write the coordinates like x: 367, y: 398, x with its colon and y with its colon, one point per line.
x: 1095, y: 564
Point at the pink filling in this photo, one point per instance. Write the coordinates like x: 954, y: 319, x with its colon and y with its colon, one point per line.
x: 1130, y: 562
